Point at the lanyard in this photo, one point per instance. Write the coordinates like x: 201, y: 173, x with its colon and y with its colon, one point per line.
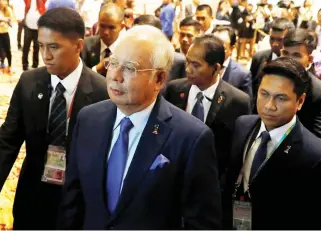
x: 241, y: 173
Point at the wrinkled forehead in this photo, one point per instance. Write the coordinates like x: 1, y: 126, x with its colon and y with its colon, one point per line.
x: 134, y: 51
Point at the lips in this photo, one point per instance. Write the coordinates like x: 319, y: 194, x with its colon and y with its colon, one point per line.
x: 116, y: 91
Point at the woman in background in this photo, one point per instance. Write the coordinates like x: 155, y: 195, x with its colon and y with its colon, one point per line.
x: 5, y: 22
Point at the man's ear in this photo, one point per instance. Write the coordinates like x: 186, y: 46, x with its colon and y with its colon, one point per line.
x: 301, y: 100
x: 311, y: 58
x: 80, y: 45
x: 160, y: 78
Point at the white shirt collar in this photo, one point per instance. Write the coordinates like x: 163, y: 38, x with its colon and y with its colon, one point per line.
x: 208, y: 93
x: 277, y: 133
x: 113, y: 45
x: 274, y: 56
x: 139, y: 119
x: 209, y: 31
x: 71, y: 81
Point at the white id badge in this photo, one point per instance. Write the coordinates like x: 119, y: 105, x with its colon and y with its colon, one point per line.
x: 242, y: 215
x: 55, y: 166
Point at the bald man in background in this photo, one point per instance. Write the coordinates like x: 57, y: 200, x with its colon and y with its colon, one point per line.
x: 99, y: 47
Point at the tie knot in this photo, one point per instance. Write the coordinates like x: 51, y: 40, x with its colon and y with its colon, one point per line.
x: 265, y: 137
x: 60, y: 88
x: 107, y: 53
x: 199, y: 96
x: 126, y: 125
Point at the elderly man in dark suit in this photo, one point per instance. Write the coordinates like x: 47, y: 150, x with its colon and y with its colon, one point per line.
x: 275, y: 170
x: 233, y: 72
x: 42, y: 112
x: 139, y: 175
x: 98, y: 48
x: 299, y: 44
x: 207, y: 97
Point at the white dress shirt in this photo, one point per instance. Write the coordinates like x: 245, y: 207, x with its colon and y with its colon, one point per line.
x: 208, y: 94
x: 139, y: 120
x: 32, y: 16
x: 274, y: 56
x: 70, y: 83
x: 276, y: 135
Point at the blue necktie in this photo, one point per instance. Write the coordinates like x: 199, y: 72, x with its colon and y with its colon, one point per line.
x: 198, y: 110
x: 116, y: 164
x: 260, y: 155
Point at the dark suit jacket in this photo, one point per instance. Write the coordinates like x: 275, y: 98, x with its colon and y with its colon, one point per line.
x: 178, y: 69
x: 91, y: 51
x: 259, y: 60
x: 91, y: 57
x: 227, y: 105
x: 185, y: 191
x: 310, y: 114
x: 286, y: 193
x: 35, y: 204
x: 236, y: 75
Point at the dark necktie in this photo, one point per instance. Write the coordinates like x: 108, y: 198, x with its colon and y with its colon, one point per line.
x: 58, y: 118
x: 260, y: 155
x: 198, y: 109
x: 107, y: 53
x: 116, y: 164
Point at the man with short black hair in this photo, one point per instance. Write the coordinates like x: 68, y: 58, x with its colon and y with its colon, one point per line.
x: 232, y: 72
x: 98, y: 48
x: 189, y: 29
x: 275, y: 171
x: 42, y: 112
x: 299, y: 44
x: 279, y: 28
x: 204, y: 16
x: 206, y: 96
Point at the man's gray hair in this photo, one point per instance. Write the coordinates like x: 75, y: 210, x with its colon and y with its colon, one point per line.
x: 163, y: 52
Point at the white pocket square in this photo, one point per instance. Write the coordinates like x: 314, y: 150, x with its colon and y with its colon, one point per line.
x: 159, y: 162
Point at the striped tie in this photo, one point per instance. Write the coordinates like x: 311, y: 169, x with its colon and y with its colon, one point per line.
x: 58, y: 118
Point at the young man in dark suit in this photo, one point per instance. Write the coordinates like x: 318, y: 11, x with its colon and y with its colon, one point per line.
x: 98, y: 48
x: 42, y: 112
x: 205, y: 95
x: 275, y: 170
x: 137, y: 161
x: 299, y: 44
x: 232, y: 72
x: 278, y: 30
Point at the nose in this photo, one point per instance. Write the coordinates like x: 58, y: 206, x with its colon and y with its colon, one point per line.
x: 188, y: 69
x: 270, y: 105
x: 116, y: 74
x: 46, y: 54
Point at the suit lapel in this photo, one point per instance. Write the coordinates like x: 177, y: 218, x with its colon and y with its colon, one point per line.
x: 81, y: 99
x: 216, y: 104
x: 107, y: 125
x: 96, y: 51
x: 147, y: 150
x: 284, y: 153
x: 181, y: 97
x: 40, y: 97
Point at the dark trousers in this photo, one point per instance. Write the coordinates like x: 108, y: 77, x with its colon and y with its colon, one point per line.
x: 20, y: 27
x: 5, y: 46
x: 30, y: 35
